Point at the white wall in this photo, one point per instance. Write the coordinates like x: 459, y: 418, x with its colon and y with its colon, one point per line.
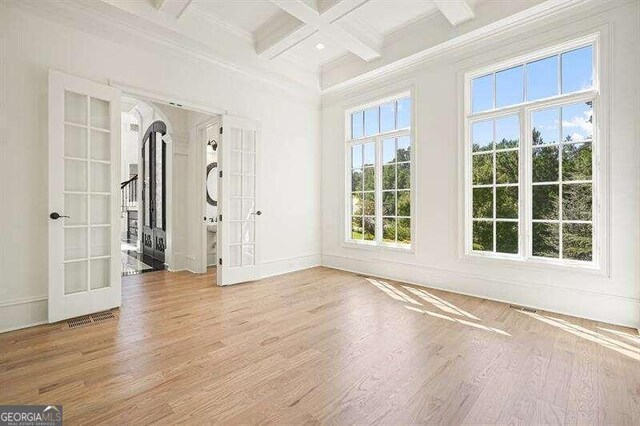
x: 30, y: 45
x: 129, y: 144
x: 437, y: 259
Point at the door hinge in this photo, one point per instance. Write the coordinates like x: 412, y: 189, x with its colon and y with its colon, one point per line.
x: 220, y: 173
x: 220, y: 129
x: 220, y: 218
x: 220, y: 261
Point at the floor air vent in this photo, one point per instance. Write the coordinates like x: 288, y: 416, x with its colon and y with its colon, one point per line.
x: 90, y: 319
x: 523, y: 309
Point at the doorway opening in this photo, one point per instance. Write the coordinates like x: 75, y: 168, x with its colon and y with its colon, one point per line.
x: 142, y: 187
x: 161, y: 209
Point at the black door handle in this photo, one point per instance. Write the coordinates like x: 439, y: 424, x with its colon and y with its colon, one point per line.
x: 258, y: 212
x: 56, y: 215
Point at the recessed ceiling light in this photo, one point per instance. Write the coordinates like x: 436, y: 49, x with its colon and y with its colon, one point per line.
x: 319, y: 46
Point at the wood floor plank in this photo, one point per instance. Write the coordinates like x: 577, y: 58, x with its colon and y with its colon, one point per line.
x: 322, y: 346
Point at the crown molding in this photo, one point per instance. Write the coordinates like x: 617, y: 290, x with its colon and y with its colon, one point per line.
x: 520, y: 19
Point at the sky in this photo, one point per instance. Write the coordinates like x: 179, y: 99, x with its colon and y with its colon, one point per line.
x: 542, y: 81
x: 566, y: 73
x: 382, y: 118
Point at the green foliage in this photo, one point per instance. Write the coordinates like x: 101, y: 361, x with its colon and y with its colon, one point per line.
x: 507, y: 167
x: 507, y: 202
x: 507, y: 237
x: 389, y: 230
x: 356, y: 180
x: 483, y: 236
x: 482, y: 203
x: 389, y: 176
x: 576, y: 201
x: 546, y: 239
x: 404, y: 176
x: 576, y: 161
x: 577, y: 240
x: 545, y: 164
x: 369, y: 228
x: 482, y: 169
x: 369, y: 179
x: 404, y: 231
x: 546, y: 202
x: 404, y: 203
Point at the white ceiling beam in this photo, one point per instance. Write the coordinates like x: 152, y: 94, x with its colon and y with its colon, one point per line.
x: 300, y: 9
x: 333, y: 23
x: 281, y: 40
x: 456, y: 11
x: 173, y: 8
x: 340, y: 9
x: 357, y: 38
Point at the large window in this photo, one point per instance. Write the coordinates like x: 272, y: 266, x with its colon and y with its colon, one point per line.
x: 379, y: 158
x: 530, y: 150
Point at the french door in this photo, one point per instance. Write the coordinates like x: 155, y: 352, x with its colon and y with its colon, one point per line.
x: 84, y: 170
x: 239, y: 259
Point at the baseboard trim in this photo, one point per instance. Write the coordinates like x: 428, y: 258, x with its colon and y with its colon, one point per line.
x: 282, y: 266
x: 22, y: 313
x: 594, y: 306
x: 22, y: 301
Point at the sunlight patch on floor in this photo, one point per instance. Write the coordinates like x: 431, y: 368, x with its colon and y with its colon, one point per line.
x: 397, y: 294
x: 458, y: 320
x: 439, y: 303
x: 635, y: 339
x: 393, y: 292
x: 590, y: 335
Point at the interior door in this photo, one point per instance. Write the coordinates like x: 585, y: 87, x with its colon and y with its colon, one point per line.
x: 154, y: 154
x: 84, y: 172
x: 238, y: 241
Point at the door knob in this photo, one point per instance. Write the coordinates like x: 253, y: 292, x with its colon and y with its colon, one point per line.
x: 56, y: 215
x: 258, y: 213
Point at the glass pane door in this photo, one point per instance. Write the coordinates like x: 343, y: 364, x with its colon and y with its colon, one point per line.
x: 242, y: 226
x: 87, y: 193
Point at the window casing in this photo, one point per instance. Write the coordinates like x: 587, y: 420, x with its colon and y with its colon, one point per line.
x: 379, y: 157
x: 531, y: 150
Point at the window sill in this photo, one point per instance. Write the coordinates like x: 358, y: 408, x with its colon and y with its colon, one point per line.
x: 542, y: 264
x: 374, y: 246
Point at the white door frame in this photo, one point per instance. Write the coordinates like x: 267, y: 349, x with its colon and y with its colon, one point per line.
x: 201, y: 187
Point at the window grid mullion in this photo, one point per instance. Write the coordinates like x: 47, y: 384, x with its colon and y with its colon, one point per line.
x: 524, y: 162
x: 378, y: 186
x: 495, y: 192
x: 560, y: 178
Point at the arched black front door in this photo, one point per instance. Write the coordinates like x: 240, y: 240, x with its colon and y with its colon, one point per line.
x: 154, y: 223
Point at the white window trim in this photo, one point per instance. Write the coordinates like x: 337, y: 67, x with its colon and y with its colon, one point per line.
x: 378, y: 244
x: 599, y: 263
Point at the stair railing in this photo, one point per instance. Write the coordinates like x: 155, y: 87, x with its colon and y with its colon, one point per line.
x: 129, y: 193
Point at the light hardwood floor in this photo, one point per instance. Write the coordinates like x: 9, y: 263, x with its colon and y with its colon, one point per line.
x: 322, y: 346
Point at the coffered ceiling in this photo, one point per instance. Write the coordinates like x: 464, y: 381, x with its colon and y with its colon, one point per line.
x: 316, y: 44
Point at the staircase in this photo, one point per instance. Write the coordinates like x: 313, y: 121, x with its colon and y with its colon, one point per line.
x: 129, y: 209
